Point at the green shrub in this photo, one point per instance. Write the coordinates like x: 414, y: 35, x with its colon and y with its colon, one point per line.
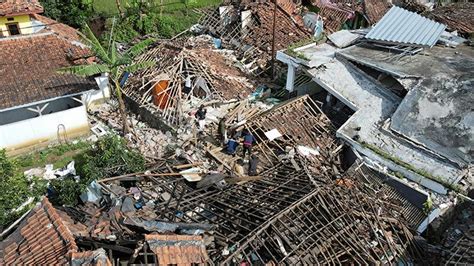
x: 109, y: 157
x: 16, y: 189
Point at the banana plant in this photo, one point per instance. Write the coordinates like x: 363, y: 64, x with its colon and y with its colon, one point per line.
x: 112, y: 62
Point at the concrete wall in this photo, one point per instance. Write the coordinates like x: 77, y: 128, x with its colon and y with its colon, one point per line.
x: 46, y: 107
x: 309, y: 88
x: 153, y: 120
x: 24, y: 23
x: 96, y: 97
x: 23, y: 129
x: 18, y: 136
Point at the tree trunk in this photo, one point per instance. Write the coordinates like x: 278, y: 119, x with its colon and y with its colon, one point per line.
x: 119, y: 7
x: 123, y: 113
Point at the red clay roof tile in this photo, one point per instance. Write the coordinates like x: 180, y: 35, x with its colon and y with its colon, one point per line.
x: 28, y: 66
x: 19, y: 7
x: 177, y: 249
x: 37, y: 241
x: 97, y: 257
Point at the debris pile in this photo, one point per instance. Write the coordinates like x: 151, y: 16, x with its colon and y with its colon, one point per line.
x: 457, y: 16
x: 241, y: 176
x: 459, y: 238
x: 151, y: 143
x: 196, y: 73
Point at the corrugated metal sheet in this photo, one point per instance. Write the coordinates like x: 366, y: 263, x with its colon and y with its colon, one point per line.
x: 400, y: 26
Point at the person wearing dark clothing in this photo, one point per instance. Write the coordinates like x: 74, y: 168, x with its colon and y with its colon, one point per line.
x: 253, y: 165
x: 248, y: 142
x: 223, y: 130
x: 201, y: 117
x: 232, y: 146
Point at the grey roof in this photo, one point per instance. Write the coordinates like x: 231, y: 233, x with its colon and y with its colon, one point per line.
x: 400, y: 26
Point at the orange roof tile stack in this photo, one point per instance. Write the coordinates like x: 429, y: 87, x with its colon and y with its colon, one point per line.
x: 95, y: 257
x: 177, y: 249
x: 19, y: 7
x: 41, y: 239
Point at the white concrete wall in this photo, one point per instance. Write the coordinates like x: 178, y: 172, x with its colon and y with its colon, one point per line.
x: 44, y: 128
x: 94, y: 97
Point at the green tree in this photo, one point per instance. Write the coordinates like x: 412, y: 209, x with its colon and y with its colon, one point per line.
x: 112, y: 62
x: 16, y: 189
x: 72, y: 12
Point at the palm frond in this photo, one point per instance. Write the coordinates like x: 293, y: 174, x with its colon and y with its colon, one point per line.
x: 113, y: 55
x: 122, y: 61
x: 94, y: 44
x: 139, y: 66
x: 84, y: 70
x: 139, y: 48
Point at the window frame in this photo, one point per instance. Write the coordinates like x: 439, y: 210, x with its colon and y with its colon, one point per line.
x: 17, y: 26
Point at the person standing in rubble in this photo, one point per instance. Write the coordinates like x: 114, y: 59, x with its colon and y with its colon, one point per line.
x: 223, y: 130
x: 248, y: 143
x: 231, y: 148
x: 253, y: 164
x: 201, y: 117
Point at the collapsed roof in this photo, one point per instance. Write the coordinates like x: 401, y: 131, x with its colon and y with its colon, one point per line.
x: 457, y: 16
x: 406, y: 115
x: 433, y: 112
x: 210, y: 73
x: 248, y: 27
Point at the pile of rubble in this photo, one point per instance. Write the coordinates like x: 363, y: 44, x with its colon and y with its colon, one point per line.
x: 150, y: 142
x: 203, y: 201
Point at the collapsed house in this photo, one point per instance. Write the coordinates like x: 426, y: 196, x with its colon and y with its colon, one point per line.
x: 407, y: 117
x: 192, y: 72
x: 250, y: 29
x: 300, y: 208
x: 456, y: 16
x: 44, y: 238
x: 257, y: 29
x: 303, y: 206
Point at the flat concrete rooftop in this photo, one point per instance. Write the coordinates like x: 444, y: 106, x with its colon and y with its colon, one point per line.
x: 370, y: 130
x: 435, y: 113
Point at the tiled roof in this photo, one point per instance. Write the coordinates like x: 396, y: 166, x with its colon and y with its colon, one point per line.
x: 457, y: 16
x: 334, y: 17
x: 28, y: 66
x: 19, y: 7
x: 61, y: 29
x: 375, y: 9
x: 41, y: 239
x: 97, y: 258
x: 177, y: 249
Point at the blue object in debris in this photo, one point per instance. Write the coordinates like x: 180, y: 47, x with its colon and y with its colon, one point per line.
x: 138, y: 205
x: 217, y: 43
x: 124, y: 79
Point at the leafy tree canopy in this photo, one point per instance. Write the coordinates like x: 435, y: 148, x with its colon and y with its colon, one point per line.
x: 72, y: 12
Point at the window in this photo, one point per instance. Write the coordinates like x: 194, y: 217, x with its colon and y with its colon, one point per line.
x: 13, y: 29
